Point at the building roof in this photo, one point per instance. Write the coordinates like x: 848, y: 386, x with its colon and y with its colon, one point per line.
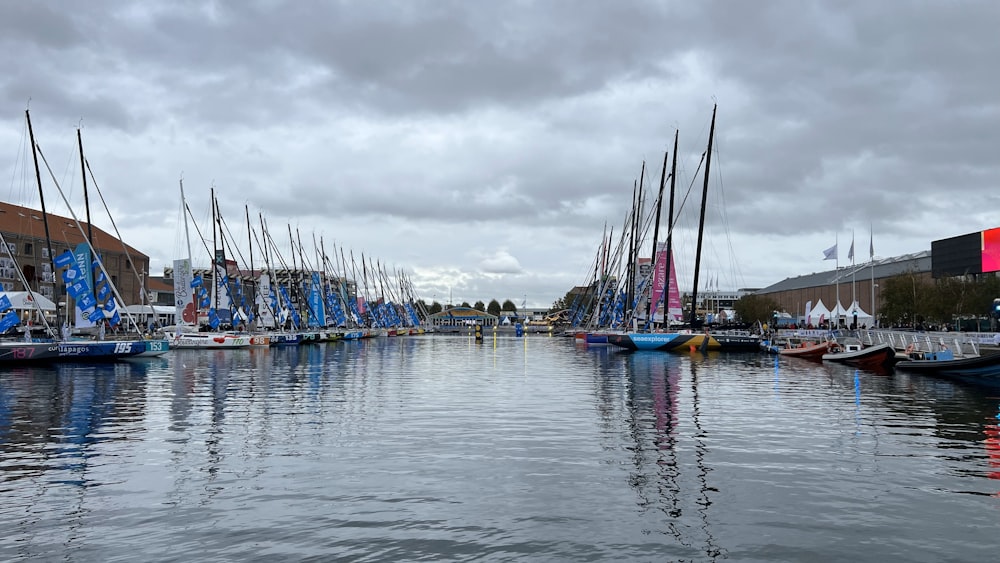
x: 463, y: 313
x: 27, y: 222
x: 885, y: 268
x: 158, y: 283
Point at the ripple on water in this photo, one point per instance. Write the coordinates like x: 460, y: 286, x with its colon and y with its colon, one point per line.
x: 439, y: 448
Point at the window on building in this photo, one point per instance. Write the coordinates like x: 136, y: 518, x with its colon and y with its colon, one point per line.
x: 29, y: 249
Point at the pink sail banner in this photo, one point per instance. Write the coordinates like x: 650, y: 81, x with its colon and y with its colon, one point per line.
x: 659, y: 278
x: 674, y: 310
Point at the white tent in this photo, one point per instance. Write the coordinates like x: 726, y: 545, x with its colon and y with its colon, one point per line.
x: 818, y: 314
x: 847, y: 314
x: 24, y: 301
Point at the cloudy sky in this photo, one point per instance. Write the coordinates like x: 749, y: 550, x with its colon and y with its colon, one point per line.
x: 482, y: 147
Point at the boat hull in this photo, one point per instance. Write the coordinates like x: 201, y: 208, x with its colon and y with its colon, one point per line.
x: 809, y: 351
x: 662, y: 341
x: 85, y: 350
x: 208, y: 341
x: 980, y: 369
x: 155, y: 348
x: 873, y: 358
x: 28, y: 352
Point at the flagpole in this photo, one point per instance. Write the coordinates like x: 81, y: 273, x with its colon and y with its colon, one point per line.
x: 871, y: 257
x: 836, y: 256
x: 854, y: 299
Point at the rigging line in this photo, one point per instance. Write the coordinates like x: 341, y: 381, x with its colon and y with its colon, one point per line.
x: 100, y: 263
x: 694, y: 177
x: 234, y: 250
x: 22, y: 150
x: 723, y: 212
x: 197, y: 229
x: 114, y: 225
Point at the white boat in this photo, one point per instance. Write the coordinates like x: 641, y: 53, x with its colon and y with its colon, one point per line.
x: 207, y: 340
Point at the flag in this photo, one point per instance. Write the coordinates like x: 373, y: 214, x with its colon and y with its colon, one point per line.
x: 9, y: 320
x: 850, y: 253
x: 64, y: 259
x: 830, y: 253
x: 4, y: 303
x: 871, y: 248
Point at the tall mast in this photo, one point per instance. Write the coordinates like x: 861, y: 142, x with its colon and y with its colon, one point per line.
x: 92, y: 252
x: 293, y: 278
x: 253, y: 286
x: 215, y: 251
x: 656, y: 232
x: 701, y: 223
x: 45, y: 216
x: 670, y: 233
x: 86, y: 198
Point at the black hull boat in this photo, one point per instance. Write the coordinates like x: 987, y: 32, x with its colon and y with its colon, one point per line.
x: 983, y: 370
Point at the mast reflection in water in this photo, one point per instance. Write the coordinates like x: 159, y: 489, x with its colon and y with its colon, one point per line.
x: 441, y: 448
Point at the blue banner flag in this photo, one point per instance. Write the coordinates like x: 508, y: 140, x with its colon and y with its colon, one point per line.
x: 4, y: 303
x: 8, y: 321
x: 64, y: 259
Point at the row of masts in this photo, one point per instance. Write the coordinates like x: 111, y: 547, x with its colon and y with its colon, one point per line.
x: 378, y: 287
x: 92, y: 258
x: 350, y: 295
x: 618, y: 295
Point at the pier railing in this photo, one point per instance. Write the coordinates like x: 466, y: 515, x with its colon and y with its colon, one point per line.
x: 960, y: 343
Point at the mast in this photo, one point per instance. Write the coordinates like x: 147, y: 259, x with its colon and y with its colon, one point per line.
x: 293, y: 281
x: 86, y: 198
x: 253, y: 287
x: 92, y: 252
x: 637, y: 242
x: 701, y: 224
x: 45, y: 216
x: 854, y: 298
x: 656, y: 233
x: 871, y: 257
x: 215, y: 250
x: 670, y: 234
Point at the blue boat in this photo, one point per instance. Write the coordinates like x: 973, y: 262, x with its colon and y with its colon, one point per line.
x: 285, y: 338
x: 90, y: 350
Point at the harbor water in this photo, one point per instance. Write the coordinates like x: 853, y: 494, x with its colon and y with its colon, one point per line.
x: 439, y: 448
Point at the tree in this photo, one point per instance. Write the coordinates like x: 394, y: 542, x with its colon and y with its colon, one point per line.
x: 755, y: 308
x: 480, y: 306
x: 466, y: 305
x: 909, y: 299
x: 557, y: 305
x: 493, y: 308
x: 434, y: 308
x: 900, y: 298
x: 508, y: 305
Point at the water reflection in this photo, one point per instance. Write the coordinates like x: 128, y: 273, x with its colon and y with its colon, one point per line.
x: 52, y: 418
x: 671, y: 474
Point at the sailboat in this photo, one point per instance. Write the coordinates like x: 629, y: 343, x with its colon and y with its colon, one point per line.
x: 190, y: 297
x: 22, y: 350
x: 687, y: 340
x: 97, y: 300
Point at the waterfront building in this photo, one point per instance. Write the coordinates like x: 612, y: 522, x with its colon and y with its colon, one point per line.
x: 462, y: 316
x: 24, y: 230
x: 856, y: 288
